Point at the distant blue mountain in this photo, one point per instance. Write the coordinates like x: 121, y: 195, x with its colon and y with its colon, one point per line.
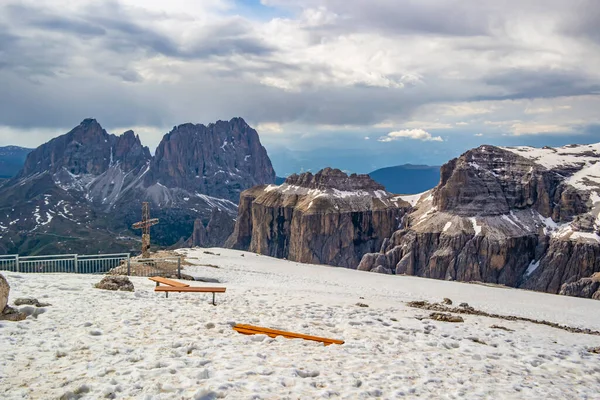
x: 407, y: 178
x: 279, y: 180
x: 12, y: 159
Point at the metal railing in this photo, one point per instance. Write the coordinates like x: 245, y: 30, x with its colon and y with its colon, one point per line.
x: 65, y: 263
x: 114, y: 264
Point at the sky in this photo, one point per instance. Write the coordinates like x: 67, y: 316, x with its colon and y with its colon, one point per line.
x: 352, y: 84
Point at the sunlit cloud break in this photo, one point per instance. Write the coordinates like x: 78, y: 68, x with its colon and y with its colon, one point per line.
x: 416, y: 134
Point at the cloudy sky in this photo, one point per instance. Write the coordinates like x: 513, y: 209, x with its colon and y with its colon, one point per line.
x: 354, y: 84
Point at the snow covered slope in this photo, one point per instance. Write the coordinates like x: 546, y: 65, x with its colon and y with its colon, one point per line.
x: 102, y: 344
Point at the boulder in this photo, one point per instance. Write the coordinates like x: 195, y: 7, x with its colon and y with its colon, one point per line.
x: 4, y: 289
x: 12, y: 314
x: 115, y: 282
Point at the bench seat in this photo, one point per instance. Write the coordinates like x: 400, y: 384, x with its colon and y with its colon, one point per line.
x: 166, y: 281
x: 190, y: 289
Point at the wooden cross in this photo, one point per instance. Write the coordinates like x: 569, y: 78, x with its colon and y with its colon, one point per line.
x: 145, y: 225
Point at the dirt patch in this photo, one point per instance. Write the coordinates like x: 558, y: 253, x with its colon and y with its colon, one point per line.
x: 464, y: 308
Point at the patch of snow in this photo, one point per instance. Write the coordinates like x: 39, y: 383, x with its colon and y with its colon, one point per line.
x: 533, y: 265
x: 476, y: 227
x: 176, y: 356
x: 413, y: 199
x: 247, y: 157
x: 447, y: 226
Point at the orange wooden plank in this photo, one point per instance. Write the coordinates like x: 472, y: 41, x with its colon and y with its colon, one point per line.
x: 190, y: 289
x: 254, y: 330
x: 168, y: 281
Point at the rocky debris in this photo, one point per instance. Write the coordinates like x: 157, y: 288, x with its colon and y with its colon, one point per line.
x: 447, y: 301
x: 12, y: 314
x: 439, y: 307
x: 115, y: 282
x: 4, y: 292
x: 501, y: 328
x: 445, y: 317
x: 588, y: 288
x: 519, y: 217
x: 30, y: 301
x: 327, y: 218
x: 362, y: 305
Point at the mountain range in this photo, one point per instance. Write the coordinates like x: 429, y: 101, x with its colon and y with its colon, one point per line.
x: 82, y: 191
x: 521, y: 217
x: 516, y: 216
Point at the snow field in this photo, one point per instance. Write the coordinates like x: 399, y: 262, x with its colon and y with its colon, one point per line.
x: 94, y: 344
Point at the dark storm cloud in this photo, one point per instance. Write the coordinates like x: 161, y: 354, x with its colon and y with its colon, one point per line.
x: 118, y: 31
x: 35, y: 17
x: 528, y: 84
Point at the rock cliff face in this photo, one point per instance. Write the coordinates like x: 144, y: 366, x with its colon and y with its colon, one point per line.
x: 218, y: 160
x: 521, y: 217
x: 89, y: 183
x: 215, y: 233
x: 328, y: 218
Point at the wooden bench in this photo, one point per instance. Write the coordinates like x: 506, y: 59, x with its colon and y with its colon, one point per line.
x: 166, y: 281
x: 191, y: 289
x: 257, y: 330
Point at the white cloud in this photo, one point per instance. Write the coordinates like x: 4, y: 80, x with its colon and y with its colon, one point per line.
x: 479, y: 134
x: 416, y: 134
x: 367, y: 138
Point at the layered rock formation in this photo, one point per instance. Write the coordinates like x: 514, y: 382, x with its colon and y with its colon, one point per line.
x: 219, y: 160
x: 89, y: 183
x: 521, y: 217
x: 327, y: 218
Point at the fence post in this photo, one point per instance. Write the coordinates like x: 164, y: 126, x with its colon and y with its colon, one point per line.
x: 128, y: 264
x: 76, y: 264
x: 179, y: 267
x: 17, y: 263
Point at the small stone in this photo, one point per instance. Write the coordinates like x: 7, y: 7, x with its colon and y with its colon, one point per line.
x: 446, y: 317
x: 502, y: 328
x: 115, y: 282
x: 362, y: 305
x: 30, y: 301
x: 464, y: 305
x: 447, y: 301
x: 210, y: 325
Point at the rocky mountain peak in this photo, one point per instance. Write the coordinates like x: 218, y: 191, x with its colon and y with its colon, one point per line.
x: 220, y: 159
x: 86, y: 149
x: 333, y: 178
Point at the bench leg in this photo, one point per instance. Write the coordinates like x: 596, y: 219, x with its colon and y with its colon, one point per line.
x: 167, y: 295
x: 214, y: 304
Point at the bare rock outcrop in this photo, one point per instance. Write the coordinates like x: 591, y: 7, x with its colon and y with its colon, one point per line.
x: 521, y: 217
x: 115, y: 282
x: 588, y: 288
x: 215, y: 233
x: 327, y: 218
